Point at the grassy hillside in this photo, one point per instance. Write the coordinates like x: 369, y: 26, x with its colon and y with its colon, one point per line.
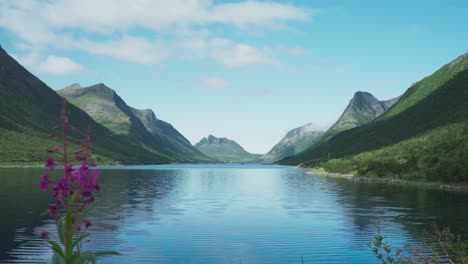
x: 446, y: 104
x: 438, y: 155
x: 28, y: 110
x: 420, y: 90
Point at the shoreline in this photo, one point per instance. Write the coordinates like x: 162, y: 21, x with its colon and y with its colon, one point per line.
x: 356, y: 178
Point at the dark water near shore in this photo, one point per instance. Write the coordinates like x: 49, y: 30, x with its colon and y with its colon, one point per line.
x: 230, y: 214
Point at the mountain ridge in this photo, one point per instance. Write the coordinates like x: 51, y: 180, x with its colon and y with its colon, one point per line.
x: 28, y: 110
x: 295, y: 141
x: 439, y: 102
x: 108, y: 108
x: 225, y: 150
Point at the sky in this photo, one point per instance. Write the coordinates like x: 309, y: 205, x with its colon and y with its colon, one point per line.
x: 246, y: 70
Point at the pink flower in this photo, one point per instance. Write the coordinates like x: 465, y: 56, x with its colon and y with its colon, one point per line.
x: 44, y: 184
x: 50, y: 163
x: 52, y: 209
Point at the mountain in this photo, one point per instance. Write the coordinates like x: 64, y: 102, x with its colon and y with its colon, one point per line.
x: 28, y: 111
x: 294, y: 142
x: 105, y: 106
x: 226, y: 150
x: 421, y: 118
x: 361, y: 109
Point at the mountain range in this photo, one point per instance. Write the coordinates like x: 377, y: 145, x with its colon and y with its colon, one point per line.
x: 422, y: 136
x: 225, y: 150
x: 106, y: 107
x: 121, y: 134
x: 361, y: 109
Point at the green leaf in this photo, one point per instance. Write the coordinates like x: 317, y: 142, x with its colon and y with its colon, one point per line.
x: 61, y: 229
x: 78, y: 240
x: 56, y: 247
x: 69, y: 229
x: 56, y: 259
x: 83, y: 214
x: 89, y: 256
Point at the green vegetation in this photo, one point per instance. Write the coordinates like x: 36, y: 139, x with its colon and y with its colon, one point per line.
x: 28, y: 111
x: 438, y: 155
x: 422, y: 89
x: 443, y: 247
x: 444, y: 106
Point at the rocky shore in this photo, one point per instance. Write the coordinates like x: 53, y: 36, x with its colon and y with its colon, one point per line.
x: 357, y: 178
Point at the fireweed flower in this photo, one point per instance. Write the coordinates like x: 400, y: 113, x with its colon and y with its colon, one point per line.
x: 50, y: 163
x: 73, y: 196
x: 44, y: 184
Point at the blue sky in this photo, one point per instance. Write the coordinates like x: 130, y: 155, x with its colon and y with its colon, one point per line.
x: 246, y: 70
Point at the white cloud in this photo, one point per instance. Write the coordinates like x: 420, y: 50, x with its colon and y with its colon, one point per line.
x: 107, y: 16
x: 51, y: 64
x: 181, y: 23
x: 58, y: 65
x: 215, y: 83
x: 241, y: 54
x: 127, y: 48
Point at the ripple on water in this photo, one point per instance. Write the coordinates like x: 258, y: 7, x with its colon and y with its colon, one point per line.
x: 232, y: 214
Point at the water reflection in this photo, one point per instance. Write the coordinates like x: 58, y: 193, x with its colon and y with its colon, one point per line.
x: 230, y: 214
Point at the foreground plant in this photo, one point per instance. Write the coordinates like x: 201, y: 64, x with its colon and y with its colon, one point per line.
x: 73, y: 196
x: 445, y: 247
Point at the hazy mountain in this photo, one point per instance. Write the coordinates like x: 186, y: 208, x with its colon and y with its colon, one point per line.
x: 226, y: 150
x: 294, y: 142
x: 361, y: 109
x: 28, y: 111
x: 109, y: 109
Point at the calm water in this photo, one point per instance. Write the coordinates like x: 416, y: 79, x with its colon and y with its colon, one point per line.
x: 230, y: 214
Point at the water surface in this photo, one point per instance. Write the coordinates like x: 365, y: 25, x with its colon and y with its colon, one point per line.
x: 230, y: 214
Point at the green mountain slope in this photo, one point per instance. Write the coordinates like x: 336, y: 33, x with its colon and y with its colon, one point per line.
x: 105, y: 106
x: 446, y: 104
x: 426, y: 86
x: 437, y: 155
x: 362, y: 109
x: 294, y: 142
x: 171, y: 139
x: 28, y: 110
x: 226, y: 150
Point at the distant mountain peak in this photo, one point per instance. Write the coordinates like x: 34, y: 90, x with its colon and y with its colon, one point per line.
x: 295, y: 141
x: 361, y: 109
x: 210, y: 139
x: 224, y: 149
